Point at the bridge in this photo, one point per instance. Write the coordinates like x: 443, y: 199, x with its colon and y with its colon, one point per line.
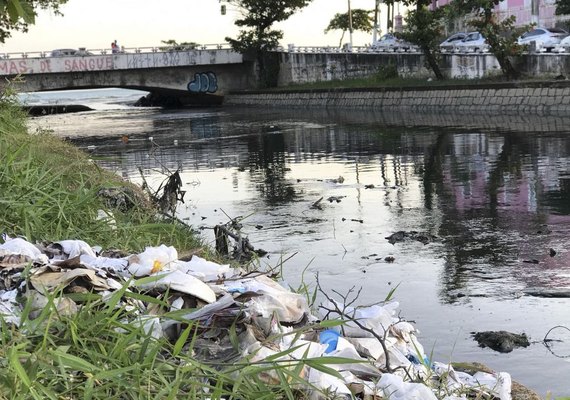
x: 193, y: 76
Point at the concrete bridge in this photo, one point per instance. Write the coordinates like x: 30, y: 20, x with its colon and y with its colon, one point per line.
x: 197, y: 76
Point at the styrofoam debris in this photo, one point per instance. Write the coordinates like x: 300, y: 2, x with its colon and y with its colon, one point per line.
x: 204, y: 269
x: 265, y: 307
x: 22, y: 247
x: 179, y: 281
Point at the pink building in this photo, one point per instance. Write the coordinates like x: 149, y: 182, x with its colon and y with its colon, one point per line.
x: 540, y: 12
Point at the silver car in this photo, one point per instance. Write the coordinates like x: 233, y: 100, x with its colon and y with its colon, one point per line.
x: 473, y: 42
x: 545, y: 38
x: 448, y: 45
x: 70, y: 52
x: 390, y: 42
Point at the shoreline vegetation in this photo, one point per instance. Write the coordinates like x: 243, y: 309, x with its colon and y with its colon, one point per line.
x: 53, y: 191
x: 386, y: 80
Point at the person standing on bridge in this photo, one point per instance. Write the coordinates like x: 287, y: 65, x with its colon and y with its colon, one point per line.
x: 114, y: 47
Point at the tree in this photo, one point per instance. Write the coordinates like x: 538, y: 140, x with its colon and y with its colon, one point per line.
x: 361, y: 21
x: 562, y: 7
x: 501, y: 35
x: 18, y: 15
x: 257, y: 37
x: 424, y: 28
x: 172, y: 44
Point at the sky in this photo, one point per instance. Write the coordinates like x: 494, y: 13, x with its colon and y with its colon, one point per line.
x: 94, y: 24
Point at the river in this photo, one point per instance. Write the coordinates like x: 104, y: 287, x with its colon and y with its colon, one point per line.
x: 491, y: 194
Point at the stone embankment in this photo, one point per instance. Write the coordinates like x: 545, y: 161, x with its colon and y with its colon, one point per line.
x: 539, y: 98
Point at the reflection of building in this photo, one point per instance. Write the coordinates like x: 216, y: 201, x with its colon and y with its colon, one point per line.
x: 479, y: 176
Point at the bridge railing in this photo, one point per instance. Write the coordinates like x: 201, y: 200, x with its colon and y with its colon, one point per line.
x: 345, y: 49
x: 85, y: 52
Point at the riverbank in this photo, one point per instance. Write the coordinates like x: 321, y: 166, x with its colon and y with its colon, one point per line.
x: 543, y: 98
x: 71, y: 196
x: 134, y: 341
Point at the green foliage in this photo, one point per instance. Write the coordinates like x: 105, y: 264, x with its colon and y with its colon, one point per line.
x: 256, y: 36
x: 562, y: 7
x: 424, y: 27
x: 386, y: 72
x: 103, y: 351
x: 257, y: 18
x: 50, y: 192
x: 361, y: 21
x: 501, y: 35
x: 17, y: 15
x: 172, y: 44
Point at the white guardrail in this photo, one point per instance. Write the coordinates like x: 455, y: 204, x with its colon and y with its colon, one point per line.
x: 226, y: 46
x: 87, y: 52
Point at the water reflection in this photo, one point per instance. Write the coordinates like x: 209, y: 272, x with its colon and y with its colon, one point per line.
x: 494, y: 191
x: 491, y: 197
x: 268, y: 167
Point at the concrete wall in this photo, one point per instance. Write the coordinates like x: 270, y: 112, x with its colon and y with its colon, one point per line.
x: 190, y: 75
x: 315, y: 67
x: 220, y: 79
x: 540, y: 98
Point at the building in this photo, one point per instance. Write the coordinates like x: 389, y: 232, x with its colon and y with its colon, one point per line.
x: 539, y: 12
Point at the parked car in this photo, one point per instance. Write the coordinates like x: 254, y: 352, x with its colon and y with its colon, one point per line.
x: 448, y: 44
x: 472, y: 42
x: 389, y: 42
x: 70, y: 52
x: 545, y: 38
x: 563, y: 46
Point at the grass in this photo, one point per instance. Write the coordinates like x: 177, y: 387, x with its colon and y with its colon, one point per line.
x: 102, y: 350
x: 50, y: 192
x: 387, y: 78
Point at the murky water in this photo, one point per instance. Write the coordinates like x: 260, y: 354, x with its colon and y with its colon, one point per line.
x: 493, y: 191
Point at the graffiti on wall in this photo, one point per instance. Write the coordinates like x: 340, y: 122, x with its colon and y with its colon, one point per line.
x: 204, y: 82
x: 13, y: 67
x: 154, y: 60
x: 45, y: 65
x: 100, y: 63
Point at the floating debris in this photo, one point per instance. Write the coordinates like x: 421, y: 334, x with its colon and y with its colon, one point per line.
x: 501, y: 341
x: 401, y: 236
x: 340, y: 179
x: 552, y: 252
x: 336, y: 199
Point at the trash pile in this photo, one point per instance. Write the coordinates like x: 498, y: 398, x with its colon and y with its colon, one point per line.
x: 375, y: 354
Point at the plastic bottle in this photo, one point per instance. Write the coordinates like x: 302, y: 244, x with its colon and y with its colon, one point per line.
x: 330, y: 338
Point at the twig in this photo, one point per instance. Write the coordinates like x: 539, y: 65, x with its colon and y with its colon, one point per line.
x: 546, y: 341
x: 343, y: 315
x: 317, y: 204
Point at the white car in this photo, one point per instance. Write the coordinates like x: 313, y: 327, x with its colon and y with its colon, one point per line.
x: 389, y: 42
x: 563, y: 46
x: 545, y: 39
x: 474, y: 42
x: 70, y: 52
x: 448, y: 44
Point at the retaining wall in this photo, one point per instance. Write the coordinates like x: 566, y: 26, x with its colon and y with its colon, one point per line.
x: 295, y: 68
x: 540, y: 98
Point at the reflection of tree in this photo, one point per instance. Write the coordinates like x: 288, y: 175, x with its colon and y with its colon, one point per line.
x: 433, y: 171
x: 267, y: 156
x: 509, y: 161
